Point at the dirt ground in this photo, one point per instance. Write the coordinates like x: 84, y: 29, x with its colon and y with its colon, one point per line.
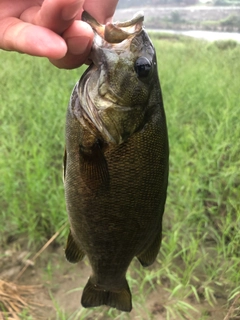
x: 59, y: 286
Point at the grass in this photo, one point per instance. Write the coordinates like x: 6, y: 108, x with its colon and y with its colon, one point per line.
x: 199, y: 260
x: 34, y: 96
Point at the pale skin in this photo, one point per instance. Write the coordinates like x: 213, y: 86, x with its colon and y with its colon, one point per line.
x: 52, y: 28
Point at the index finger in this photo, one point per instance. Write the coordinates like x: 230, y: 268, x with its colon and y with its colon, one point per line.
x: 55, y: 15
x: 27, y: 38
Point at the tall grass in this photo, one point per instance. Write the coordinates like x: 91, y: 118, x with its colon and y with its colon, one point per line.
x: 200, y: 254
x: 34, y: 97
x: 201, y: 93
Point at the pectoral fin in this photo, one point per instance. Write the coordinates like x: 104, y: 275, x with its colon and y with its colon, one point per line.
x: 94, y: 167
x: 148, y: 256
x: 72, y: 252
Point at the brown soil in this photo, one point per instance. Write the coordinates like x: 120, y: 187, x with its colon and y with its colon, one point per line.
x: 57, y: 278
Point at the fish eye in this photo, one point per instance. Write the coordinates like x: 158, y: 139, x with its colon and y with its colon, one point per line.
x: 142, y: 67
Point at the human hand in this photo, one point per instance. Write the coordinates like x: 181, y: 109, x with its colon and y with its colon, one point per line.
x: 52, y: 28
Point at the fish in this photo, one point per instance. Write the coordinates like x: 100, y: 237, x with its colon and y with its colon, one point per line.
x: 116, y: 161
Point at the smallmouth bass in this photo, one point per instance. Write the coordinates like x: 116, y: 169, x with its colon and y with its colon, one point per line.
x: 116, y: 161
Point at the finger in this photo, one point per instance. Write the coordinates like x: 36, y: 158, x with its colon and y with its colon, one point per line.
x: 54, y: 15
x: 34, y: 40
x: 79, y: 38
x: 102, y: 11
x: 14, y: 8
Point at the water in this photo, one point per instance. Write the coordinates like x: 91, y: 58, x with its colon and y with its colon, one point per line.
x: 206, y: 35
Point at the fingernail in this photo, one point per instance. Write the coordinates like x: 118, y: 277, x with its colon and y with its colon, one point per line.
x: 70, y: 11
x: 78, y: 45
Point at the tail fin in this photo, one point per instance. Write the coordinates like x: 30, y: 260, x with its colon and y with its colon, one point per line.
x: 93, y: 297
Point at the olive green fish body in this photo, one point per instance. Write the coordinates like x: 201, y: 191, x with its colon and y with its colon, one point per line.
x: 116, y: 172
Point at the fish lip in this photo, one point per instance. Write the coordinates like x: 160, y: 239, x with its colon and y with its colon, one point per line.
x: 118, y: 31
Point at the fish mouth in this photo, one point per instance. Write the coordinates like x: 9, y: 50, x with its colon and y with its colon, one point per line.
x: 118, y: 31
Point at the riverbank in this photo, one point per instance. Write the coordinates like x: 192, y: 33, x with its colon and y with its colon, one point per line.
x: 201, y: 34
x: 222, y: 19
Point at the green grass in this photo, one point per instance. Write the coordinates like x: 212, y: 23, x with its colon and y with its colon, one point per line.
x: 199, y: 258
x: 34, y: 98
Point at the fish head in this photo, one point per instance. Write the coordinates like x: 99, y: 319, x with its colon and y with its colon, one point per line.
x: 116, y: 88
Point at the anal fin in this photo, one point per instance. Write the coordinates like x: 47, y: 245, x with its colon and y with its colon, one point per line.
x: 148, y: 256
x: 72, y: 252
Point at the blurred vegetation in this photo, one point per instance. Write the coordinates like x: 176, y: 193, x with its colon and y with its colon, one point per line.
x: 133, y: 3
x: 200, y: 253
x: 181, y: 19
x: 178, y: 18
x: 230, y: 23
x: 226, y: 2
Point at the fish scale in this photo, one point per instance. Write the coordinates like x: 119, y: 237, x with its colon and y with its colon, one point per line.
x: 116, y: 173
